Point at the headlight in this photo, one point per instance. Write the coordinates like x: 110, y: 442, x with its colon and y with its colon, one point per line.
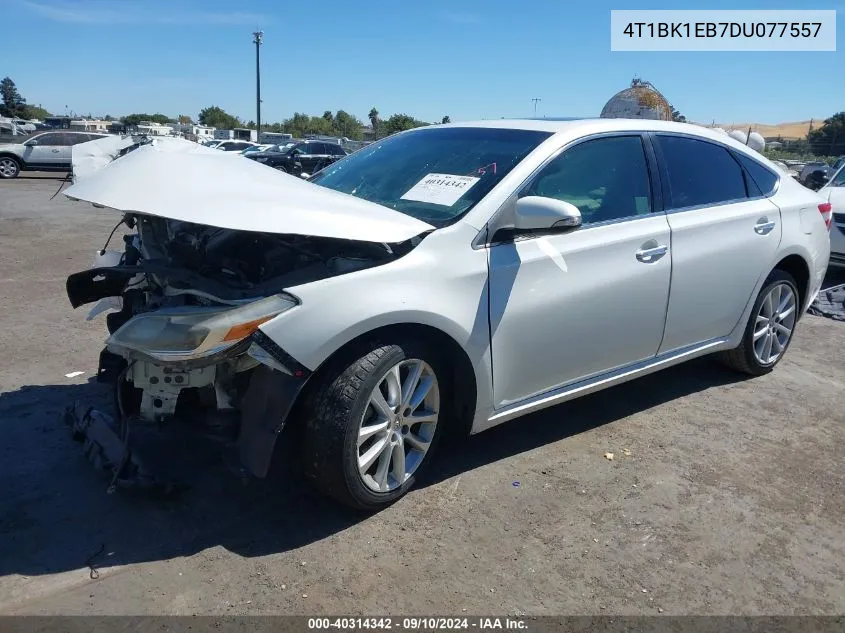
x: 179, y: 334
x: 260, y: 159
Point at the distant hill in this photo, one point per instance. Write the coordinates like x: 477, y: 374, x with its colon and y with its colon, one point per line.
x: 794, y: 130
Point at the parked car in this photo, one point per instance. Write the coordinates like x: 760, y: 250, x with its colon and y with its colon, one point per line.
x: 233, y: 146
x: 259, y: 148
x: 815, y: 174
x: 445, y: 278
x: 305, y: 157
x: 834, y: 192
x: 49, y: 151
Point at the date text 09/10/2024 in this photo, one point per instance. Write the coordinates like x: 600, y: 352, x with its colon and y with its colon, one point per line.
x: 417, y: 623
x: 723, y: 29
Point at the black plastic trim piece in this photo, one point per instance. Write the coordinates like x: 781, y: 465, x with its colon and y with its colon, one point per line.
x: 269, y: 345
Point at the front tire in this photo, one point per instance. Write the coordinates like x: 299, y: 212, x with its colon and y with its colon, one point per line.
x: 9, y: 167
x: 770, y: 327
x: 373, y: 424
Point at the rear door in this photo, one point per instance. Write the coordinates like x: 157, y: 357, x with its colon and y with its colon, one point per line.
x: 65, y: 150
x: 725, y: 233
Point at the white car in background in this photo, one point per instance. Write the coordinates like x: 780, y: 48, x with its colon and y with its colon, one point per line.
x: 834, y: 192
x: 448, y: 277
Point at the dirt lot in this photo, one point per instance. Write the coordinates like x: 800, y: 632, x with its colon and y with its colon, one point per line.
x: 732, y: 500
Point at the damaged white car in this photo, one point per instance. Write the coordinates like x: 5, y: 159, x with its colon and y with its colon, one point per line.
x: 448, y: 278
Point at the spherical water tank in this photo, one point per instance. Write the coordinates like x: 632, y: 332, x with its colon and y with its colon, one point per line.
x: 640, y: 101
x: 738, y: 135
x: 756, y: 142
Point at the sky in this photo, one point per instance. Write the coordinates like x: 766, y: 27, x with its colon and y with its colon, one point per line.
x: 429, y: 58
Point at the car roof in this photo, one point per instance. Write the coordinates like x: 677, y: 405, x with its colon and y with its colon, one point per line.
x: 572, y: 125
x: 576, y: 128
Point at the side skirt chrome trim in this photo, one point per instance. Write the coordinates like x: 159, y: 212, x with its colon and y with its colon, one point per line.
x: 629, y: 372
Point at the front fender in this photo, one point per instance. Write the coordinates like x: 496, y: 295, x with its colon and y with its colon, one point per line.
x: 442, y: 284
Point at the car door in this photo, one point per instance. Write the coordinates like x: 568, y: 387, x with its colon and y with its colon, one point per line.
x: 42, y: 151
x: 66, y: 148
x: 725, y: 233
x: 313, y: 154
x: 568, y: 306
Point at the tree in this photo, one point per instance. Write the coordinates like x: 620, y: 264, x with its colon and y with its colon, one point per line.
x: 328, y: 116
x: 347, y: 125
x: 677, y: 116
x: 400, y: 122
x: 373, y: 116
x: 184, y: 119
x: 13, y: 103
x: 446, y: 119
x: 135, y: 119
x: 35, y: 112
x: 829, y: 139
x: 217, y: 117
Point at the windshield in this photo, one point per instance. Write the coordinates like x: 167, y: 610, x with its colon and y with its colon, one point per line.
x: 435, y: 174
x: 838, y: 179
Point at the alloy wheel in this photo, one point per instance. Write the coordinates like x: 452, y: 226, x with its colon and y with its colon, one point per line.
x: 8, y: 167
x: 398, y: 425
x: 774, y: 324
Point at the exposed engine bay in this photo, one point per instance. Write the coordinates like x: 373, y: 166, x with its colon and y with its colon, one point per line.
x: 186, y: 302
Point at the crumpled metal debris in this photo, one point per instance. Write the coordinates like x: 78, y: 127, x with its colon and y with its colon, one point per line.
x: 107, y: 450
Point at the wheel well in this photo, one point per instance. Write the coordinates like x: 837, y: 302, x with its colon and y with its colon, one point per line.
x: 8, y: 155
x: 797, y: 267
x: 462, y: 373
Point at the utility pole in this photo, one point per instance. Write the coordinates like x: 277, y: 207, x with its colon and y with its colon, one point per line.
x: 258, y: 39
x: 535, y: 100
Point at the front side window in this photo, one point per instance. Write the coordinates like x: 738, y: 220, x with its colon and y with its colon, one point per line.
x: 700, y: 172
x: 606, y: 178
x: 433, y: 174
x: 50, y: 138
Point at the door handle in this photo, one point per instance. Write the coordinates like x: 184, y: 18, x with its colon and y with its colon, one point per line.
x: 55, y: 151
x: 763, y: 227
x: 649, y: 255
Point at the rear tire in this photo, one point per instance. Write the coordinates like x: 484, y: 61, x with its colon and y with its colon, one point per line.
x: 364, y: 450
x: 9, y: 167
x: 770, y: 327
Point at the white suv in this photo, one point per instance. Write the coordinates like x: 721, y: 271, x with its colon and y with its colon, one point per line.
x: 448, y: 277
x: 50, y: 151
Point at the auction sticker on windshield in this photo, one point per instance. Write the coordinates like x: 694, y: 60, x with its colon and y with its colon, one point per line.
x: 443, y: 189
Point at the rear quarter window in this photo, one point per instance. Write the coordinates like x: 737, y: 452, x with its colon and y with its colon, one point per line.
x: 762, y: 176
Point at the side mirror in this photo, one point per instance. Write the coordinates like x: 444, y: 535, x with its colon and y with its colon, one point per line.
x: 304, y: 175
x: 32, y: 143
x: 535, y: 213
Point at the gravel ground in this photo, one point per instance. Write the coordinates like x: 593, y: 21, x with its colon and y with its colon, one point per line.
x: 725, y: 495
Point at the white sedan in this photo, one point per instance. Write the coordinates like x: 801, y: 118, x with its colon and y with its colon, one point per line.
x: 445, y: 278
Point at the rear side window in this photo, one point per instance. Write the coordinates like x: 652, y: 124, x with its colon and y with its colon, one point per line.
x: 76, y: 139
x: 700, y: 173
x: 763, y: 178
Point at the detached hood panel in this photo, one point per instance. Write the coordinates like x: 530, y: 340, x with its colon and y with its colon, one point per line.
x: 181, y: 180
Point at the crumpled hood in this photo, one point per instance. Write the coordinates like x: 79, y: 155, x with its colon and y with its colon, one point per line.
x: 181, y: 180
